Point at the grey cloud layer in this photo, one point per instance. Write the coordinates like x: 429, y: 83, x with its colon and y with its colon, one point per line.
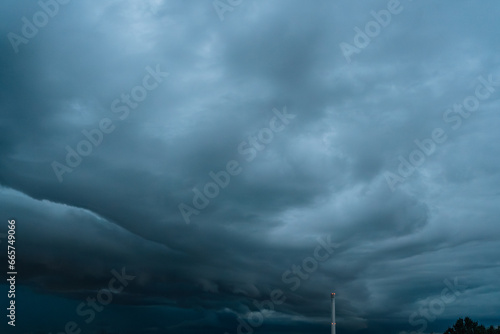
x: 324, y: 175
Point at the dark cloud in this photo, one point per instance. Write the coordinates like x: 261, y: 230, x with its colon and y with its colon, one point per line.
x: 318, y: 177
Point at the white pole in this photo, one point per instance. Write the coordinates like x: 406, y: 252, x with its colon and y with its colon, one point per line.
x: 333, y: 313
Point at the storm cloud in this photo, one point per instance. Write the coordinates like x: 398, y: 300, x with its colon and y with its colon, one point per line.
x: 241, y: 160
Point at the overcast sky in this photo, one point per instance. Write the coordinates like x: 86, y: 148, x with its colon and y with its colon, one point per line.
x: 235, y: 162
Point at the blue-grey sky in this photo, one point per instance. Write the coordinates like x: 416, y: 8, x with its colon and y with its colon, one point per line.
x: 240, y: 160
